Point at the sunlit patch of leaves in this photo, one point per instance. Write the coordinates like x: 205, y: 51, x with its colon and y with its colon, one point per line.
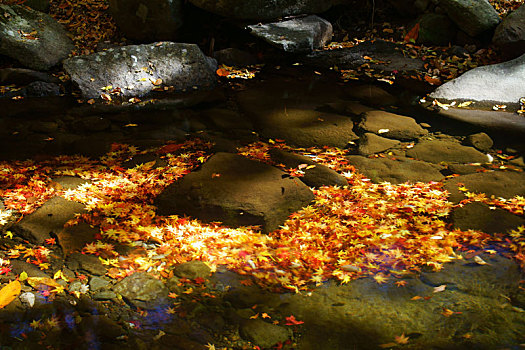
x: 361, y: 229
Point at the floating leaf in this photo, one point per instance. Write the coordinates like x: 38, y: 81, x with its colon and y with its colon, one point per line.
x: 9, y: 293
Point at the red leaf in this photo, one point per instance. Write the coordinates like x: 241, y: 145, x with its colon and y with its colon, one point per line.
x: 291, y: 321
x: 413, y: 33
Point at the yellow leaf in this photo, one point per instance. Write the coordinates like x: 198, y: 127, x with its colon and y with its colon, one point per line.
x: 9, y: 293
x: 401, y: 339
x: 23, y: 276
x: 36, y: 281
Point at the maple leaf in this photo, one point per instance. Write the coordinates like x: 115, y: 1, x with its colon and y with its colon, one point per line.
x: 380, y: 278
x: 401, y: 339
x: 401, y: 283
x: 291, y: 321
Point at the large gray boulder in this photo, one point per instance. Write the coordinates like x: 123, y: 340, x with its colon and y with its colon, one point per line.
x: 510, y: 34
x: 298, y: 35
x: 147, y: 20
x: 474, y: 17
x: 260, y: 10
x: 500, y: 83
x: 236, y: 191
x: 137, y: 69
x: 33, y: 38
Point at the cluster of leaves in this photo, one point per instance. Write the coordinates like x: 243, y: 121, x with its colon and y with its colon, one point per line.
x: 88, y: 21
x: 357, y: 230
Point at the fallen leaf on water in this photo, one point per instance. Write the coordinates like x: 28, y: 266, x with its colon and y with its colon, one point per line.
x: 480, y: 261
x: 440, y: 288
x: 401, y: 339
x: 9, y: 293
x: 291, y: 321
x: 465, y: 104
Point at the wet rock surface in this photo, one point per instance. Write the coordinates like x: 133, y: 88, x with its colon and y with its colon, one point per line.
x: 443, y: 151
x: 243, y: 193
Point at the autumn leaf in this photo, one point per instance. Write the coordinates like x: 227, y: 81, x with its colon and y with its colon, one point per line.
x: 413, y: 33
x: 440, y: 288
x: 9, y: 293
x: 380, y: 278
x: 221, y: 72
x: 401, y: 339
x: 291, y: 321
x: 37, y: 281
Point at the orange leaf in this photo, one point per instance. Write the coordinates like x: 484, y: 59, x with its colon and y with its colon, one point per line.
x: 432, y: 81
x: 401, y: 339
x: 9, y: 293
x: 221, y: 72
x: 291, y: 321
x: 413, y: 33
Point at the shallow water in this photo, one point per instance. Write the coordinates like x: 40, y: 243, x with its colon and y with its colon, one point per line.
x: 480, y: 307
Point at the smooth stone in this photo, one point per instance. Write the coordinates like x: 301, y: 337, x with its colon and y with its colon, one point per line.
x: 443, y: 151
x: 371, y: 143
x: 391, y: 125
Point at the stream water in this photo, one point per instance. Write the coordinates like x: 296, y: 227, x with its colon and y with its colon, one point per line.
x: 480, y: 307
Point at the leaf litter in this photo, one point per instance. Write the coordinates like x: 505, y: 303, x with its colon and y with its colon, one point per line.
x: 381, y: 230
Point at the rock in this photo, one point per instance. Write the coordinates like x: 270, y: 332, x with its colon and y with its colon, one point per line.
x: 97, y: 283
x: 371, y: 95
x: 73, y: 238
x: 436, y: 29
x: 443, y: 151
x: 371, y: 143
x: 192, y: 269
x: 105, y: 295
x: 478, y: 216
x: 44, y: 127
x: 318, y: 176
x: 352, y: 108
x: 474, y: 17
x: 148, y: 21
x: 89, y: 263
x: 42, y: 89
x: 396, y: 171
x: 506, y: 184
x: 354, y: 57
x: 137, y: 69
x: 263, y: 334
x: 32, y: 270
x: 288, y: 111
x: 69, y: 182
x: 501, y: 83
x: 23, y: 76
x: 391, y: 125
x: 44, y: 43
x: 509, y: 35
x: 297, y: 35
x: 245, y: 193
x: 464, y: 169
x: 234, y: 57
x: 261, y: 10
x: 100, y: 326
x: 49, y: 219
x: 480, y: 141
x: 510, y: 123
x: 142, y: 290
x: 499, y: 275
